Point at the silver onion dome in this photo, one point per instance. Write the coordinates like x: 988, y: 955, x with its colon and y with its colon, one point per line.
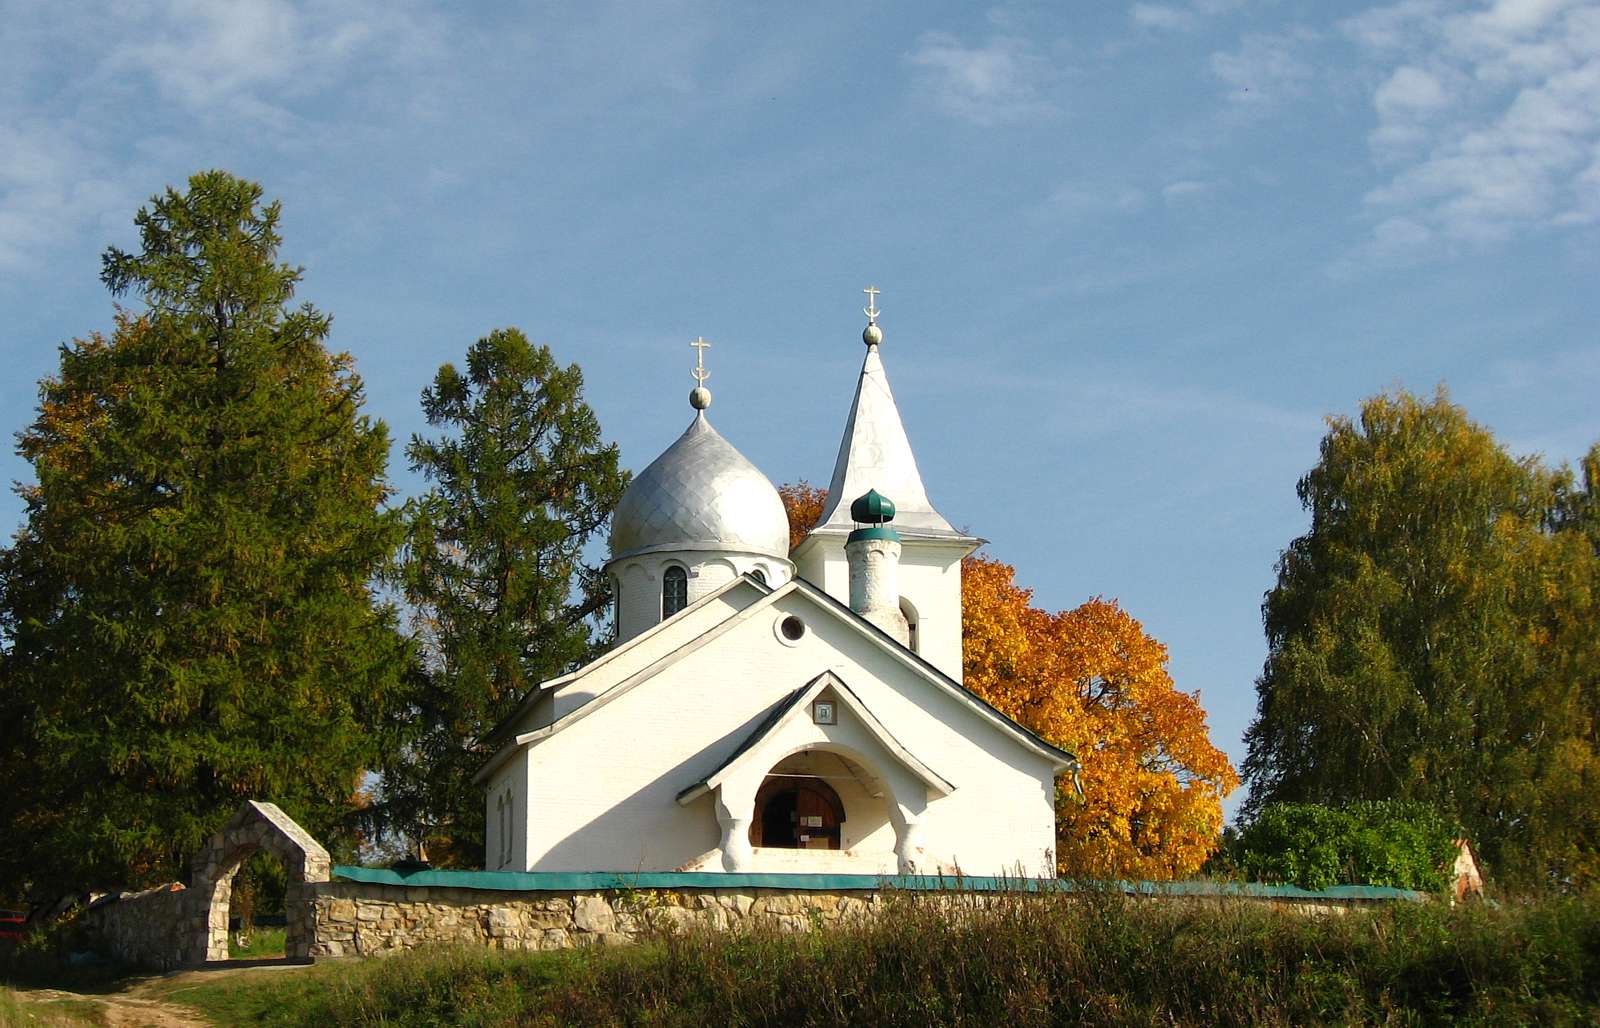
x: 701, y: 494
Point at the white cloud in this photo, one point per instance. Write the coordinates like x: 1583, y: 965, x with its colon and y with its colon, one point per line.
x: 246, y: 57
x: 1390, y: 28
x: 1162, y: 16
x: 1406, y: 103
x: 1173, y: 192
x: 1211, y: 8
x: 1081, y: 200
x: 44, y: 187
x: 1489, y: 118
x: 997, y: 83
x: 98, y: 107
x: 1398, y: 237
x: 198, y: 52
x: 1180, y: 18
x: 1409, y: 90
x: 1267, y: 67
x: 1586, y: 187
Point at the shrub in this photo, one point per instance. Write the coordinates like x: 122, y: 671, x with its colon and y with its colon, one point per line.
x: 1381, y: 842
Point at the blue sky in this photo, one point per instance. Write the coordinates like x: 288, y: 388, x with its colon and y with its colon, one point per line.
x: 1131, y: 255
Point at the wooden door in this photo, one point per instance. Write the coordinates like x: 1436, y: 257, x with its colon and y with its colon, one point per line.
x: 817, y: 826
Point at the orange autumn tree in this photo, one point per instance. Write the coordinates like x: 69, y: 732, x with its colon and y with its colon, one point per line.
x: 803, y: 502
x: 1091, y: 681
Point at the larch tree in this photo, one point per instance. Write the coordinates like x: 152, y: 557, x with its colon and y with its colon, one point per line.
x: 1433, y: 637
x: 494, y: 571
x: 1092, y: 681
x: 187, y: 603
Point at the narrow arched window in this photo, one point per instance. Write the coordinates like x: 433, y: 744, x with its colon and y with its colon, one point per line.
x: 913, y: 642
x: 674, y: 591
x: 502, y: 818
x: 759, y: 575
x: 508, y: 831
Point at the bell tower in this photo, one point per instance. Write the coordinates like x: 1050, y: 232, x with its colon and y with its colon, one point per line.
x: 876, y: 455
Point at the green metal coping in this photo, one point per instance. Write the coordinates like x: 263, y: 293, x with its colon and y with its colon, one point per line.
x: 873, y: 532
x: 600, y: 881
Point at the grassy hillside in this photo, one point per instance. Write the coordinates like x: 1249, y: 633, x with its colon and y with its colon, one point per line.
x: 1095, y: 960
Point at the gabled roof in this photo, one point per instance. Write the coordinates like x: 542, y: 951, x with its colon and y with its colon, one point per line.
x: 795, y: 703
x: 875, y: 454
x: 649, y: 671
x: 932, y: 675
x: 968, y: 698
x: 616, y: 652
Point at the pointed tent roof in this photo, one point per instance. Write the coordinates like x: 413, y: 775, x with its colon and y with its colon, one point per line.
x: 875, y: 454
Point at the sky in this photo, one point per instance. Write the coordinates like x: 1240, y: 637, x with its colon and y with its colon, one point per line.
x: 1131, y: 255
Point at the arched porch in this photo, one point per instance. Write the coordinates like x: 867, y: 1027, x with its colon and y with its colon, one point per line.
x: 864, y: 796
x: 823, y: 808
x: 852, y: 815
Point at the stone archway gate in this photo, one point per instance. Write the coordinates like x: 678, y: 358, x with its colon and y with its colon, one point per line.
x: 257, y: 827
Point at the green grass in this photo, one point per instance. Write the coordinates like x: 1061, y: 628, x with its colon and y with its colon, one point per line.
x: 288, y: 996
x: 1099, y: 959
x: 432, y: 987
x: 265, y: 943
x: 15, y: 1012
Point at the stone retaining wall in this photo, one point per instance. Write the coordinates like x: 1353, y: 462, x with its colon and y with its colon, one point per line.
x: 359, y: 919
x: 356, y: 911
x: 364, y: 918
x: 153, y: 929
x: 168, y: 927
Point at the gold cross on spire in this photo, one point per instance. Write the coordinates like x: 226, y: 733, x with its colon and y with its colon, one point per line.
x: 871, y: 309
x: 700, y: 373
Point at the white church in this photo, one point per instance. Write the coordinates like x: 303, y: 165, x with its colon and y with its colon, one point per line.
x: 768, y: 711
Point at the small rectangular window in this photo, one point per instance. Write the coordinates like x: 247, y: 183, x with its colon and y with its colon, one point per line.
x: 822, y: 712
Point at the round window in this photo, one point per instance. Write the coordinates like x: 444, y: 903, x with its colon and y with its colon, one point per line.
x: 790, y: 629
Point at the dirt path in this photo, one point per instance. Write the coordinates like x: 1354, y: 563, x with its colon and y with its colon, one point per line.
x: 144, y: 1002
x: 130, y: 1009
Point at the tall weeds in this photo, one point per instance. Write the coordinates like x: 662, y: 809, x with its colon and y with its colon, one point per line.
x: 1027, y: 960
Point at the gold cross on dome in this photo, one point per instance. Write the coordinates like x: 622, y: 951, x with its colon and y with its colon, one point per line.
x: 871, y: 309
x: 700, y: 373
